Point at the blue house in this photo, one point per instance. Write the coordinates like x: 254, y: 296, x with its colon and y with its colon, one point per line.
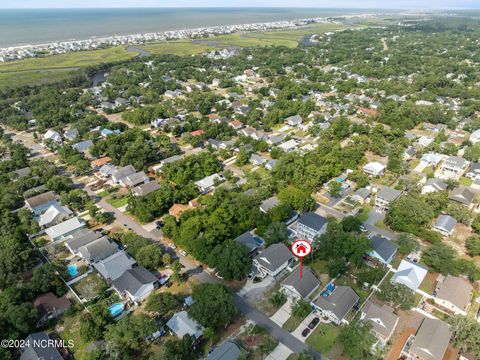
x: 382, y: 249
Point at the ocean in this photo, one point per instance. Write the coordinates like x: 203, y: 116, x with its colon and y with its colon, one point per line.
x: 39, y: 26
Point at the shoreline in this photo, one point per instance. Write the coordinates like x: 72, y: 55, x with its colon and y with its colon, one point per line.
x: 20, y: 52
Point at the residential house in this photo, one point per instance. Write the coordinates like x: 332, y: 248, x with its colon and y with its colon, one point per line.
x: 445, y: 225
x: 50, y: 307
x: 98, y: 250
x: 374, y: 168
x: 107, y: 132
x: 310, y: 225
x: 249, y: 241
x: 453, y: 293
x: 63, y: 230
x: 274, y: 259
x: 424, y: 141
x: 168, y: 160
x: 229, y: 350
x: 83, y: 146
x: 98, y: 163
x: 208, y: 183
x: 362, y: 195
x: 432, y: 159
x: 475, y: 136
x: 430, y: 342
x: 410, y: 274
x: 454, y: 166
x: 268, y: 204
x: 55, y: 214
x: 106, y: 171
x: 433, y: 185
x: 294, y: 120
x: 39, y: 346
x: 382, y: 319
x: 303, y: 287
x: 269, y: 165
x: 112, y: 267
x: 473, y: 170
x: 236, y: 124
x: 181, y: 324
x: 409, y: 153
x: 146, y: 188
x: 462, y: 195
x: 136, y: 284
x: 123, y: 172
x: 121, y: 102
x: 80, y: 238
x: 38, y: 204
x: 52, y: 135
x: 275, y: 139
x: 383, y: 250
x: 289, y: 145
x: 134, y: 179
x: 385, y: 197
x: 257, y: 160
x: 70, y: 134
x: 337, y: 304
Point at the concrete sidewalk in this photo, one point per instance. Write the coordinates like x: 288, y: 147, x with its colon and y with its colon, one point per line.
x: 281, y: 352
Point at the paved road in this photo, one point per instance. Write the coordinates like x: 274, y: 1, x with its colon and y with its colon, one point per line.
x: 273, y: 329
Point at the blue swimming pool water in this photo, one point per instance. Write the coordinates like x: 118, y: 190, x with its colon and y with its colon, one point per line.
x: 72, y: 270
x: 258, y: 240
x: 116, y: 309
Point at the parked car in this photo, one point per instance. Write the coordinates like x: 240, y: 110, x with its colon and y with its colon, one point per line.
x: 363, y: 228
x: 183, y: 253
x: 172, y: 245
x: 305, y: 332
x: 251, y: 275
x: 314, y: 323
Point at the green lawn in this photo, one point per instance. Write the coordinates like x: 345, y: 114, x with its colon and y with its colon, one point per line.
x: 292, y: 323
x: 465, y: 181
x: 53, y: 68
x: 181, y: 48
x: 91, y: 286
x: 117, y: 203
x: 324, y: 338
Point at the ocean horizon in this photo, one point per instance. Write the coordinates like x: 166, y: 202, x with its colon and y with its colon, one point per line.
x: 39, y: 26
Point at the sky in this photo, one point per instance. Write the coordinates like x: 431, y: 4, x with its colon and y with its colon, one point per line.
x: 392, y: 4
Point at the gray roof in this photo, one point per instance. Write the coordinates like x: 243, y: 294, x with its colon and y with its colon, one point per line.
x: 146, y: 188
x: 462, y: 195
x: 171, y: 159
x: 271, y: 164
x: 312, y: 220
x: 255, y: 158
x: 83, y: 146
x: 227, y: 351
x: 294, y: 120
x: 115, y: 265
x: 438, y: 184
x: 38, y: 200
x: 304, y: 285
x: 340, y: 301
x: 456, y: 161
x: 181, y: 324
x: 431, y: 340
x: 247, y: 239
x: 382, y: 318
x: 384, y: 248
x: 98, y: 249
x: 133, y: 279
x: 82, y: 237
x: 54, y: 213
x: 268, y: 204
x: 135, y: 179
x: 65, y: 227
x: 456, y: 290
x: 363, y: 193
x: 389, y: 194
x: 445, y: 222
x: 33, y: 352
x: 123, y: 172
x: 274, y: 256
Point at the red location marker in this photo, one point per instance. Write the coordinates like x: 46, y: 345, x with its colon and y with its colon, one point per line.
x: 301, y: 248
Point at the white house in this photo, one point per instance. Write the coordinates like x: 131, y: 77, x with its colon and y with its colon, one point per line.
x: 409, y: 274
x: 374, y: 168
x: 453, y: 293
x: 52, y: 135
x: 445, y: 225
x: 208, y: 183
x: 274, y: 259
x: 297, y: 287
x: 311, y: 225
x: 136, y: 284
x: 475, y: 136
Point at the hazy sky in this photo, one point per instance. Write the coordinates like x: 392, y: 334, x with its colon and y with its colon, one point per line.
x: 404, y: 4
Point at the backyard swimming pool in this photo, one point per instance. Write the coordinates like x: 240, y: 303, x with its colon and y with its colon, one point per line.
x: 116, y: 309
x: 72, y: 270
